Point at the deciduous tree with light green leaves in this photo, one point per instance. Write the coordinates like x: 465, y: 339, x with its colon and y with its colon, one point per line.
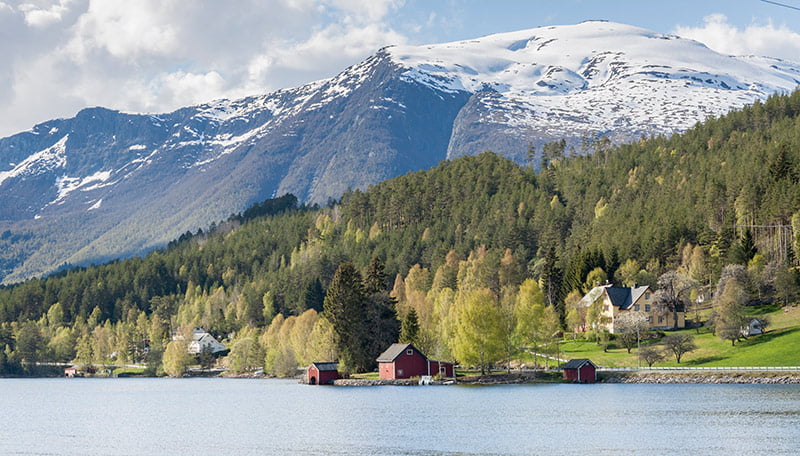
x: 529, y: 312
x: 478, y: 337
x: 246, y: 352
x: 729, y: 314
x: 176, y: 356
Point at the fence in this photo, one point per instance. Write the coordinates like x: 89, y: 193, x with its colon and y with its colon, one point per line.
x: 700, y: 369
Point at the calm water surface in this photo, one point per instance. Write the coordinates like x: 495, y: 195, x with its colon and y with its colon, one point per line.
x: 256, y: 417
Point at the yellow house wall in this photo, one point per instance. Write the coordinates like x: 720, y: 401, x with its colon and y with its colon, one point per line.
x: 613, y: 312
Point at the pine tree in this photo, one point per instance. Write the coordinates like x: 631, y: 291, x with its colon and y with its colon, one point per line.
x: 345, y: 308
x: 551, y: 277
x: 314, y: 295
x: 409, y: 330
x: 745, y: 249
x: 375, y: 278
x: 780, y: 167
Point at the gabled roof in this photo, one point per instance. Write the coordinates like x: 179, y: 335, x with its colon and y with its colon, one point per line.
x: 624, y: 297
x: 326, y: 366
x: 396, y: 350
x: 578, y: 363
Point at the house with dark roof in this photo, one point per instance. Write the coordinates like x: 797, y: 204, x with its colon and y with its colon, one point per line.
x: 322, y: 373
x: 580, y: 371
x: 615, y: 301
x: 405, y: 361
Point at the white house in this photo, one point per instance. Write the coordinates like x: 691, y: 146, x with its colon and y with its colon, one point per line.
x: 754, y: 328
x: 201, y: 340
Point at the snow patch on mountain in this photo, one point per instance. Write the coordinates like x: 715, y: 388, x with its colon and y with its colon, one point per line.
x: 596, y: 75
x: 67, y: 185
x: 40, y: 162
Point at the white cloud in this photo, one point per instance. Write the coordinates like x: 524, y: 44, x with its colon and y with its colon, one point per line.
x: 159, y: 55
x: 125, y: 30
x: 37, y: 16
x: 755, y: 39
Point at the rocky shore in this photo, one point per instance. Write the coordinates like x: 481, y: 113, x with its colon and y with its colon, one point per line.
x: 501, y: 379
x: 706, y: 377
x: 377, y: 382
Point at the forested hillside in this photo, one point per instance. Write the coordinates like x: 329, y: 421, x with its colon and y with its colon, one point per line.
x: 473, y: 240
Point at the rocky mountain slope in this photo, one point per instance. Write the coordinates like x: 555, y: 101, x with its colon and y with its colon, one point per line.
x: 106, y: 184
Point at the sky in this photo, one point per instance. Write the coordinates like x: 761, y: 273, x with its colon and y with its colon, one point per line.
x: 59, y: 56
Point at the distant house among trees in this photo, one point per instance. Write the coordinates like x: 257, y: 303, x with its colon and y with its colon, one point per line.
x: 580, y: 371
x: 614, y: 301
x: 405, y: 361
x: 322, y: 373
x: 201, y: 341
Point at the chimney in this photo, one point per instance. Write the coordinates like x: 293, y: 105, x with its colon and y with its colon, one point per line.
x: 635, y: 285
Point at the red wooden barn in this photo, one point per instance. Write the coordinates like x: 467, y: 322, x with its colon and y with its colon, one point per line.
x: 322, y: 373
x: 405, y: 361
x: 580, y: 370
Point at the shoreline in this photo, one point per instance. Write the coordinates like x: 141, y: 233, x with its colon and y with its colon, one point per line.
x: 740, y: 378
x: 530, y: 377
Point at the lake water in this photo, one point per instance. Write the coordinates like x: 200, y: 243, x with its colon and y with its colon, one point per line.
x: 257, y: 417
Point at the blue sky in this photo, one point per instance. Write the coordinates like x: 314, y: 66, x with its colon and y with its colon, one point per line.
x: 59, y: 56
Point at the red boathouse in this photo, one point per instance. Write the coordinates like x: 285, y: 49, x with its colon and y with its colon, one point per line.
x: 405, y: 361
x: 322, y: 373
x: 580, y: 371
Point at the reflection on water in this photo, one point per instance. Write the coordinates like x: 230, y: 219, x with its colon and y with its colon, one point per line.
x: 256, y: 417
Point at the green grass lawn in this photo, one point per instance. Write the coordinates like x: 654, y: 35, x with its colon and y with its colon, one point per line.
x: 129, y: 371
x: 778, y: 347
x: 367, y: 375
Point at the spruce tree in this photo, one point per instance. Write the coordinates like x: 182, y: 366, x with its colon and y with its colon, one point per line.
x: 409, y: 330
x: 345, y: 308
x: 375, y: 278
x: 314, y: 295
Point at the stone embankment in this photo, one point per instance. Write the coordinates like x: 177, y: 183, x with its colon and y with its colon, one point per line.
x: 710, y: 378
x: 508, y: 379
x: 377, y: 382
x: 496, y: 379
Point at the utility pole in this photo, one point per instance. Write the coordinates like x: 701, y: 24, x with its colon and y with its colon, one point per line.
x: 638, y: 349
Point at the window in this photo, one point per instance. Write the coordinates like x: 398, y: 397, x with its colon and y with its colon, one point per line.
x: 647, y: 307
x: 409, y: 352
x: 636, y: 307
x: 605, y: 308
x: 647, y: 296
x: 649, y: 319
x: 661, y: 319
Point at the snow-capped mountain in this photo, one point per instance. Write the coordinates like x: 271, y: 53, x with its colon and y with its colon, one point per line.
x: 105, y: 184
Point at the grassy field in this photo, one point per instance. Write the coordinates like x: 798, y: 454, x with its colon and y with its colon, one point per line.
x: 129, y: 371
x: 777, y: 347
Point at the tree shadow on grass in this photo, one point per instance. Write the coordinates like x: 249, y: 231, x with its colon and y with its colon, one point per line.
x: 766, y: 337
x: 703, y: 360
x: 765, y: 309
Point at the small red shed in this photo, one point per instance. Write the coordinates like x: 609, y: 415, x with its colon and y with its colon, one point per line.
x: 580, y: 371
x: 405, y: 361
x: 322, y: 373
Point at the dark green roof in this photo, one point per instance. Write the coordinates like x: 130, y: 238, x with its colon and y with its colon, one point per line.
x: 578, y: 363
